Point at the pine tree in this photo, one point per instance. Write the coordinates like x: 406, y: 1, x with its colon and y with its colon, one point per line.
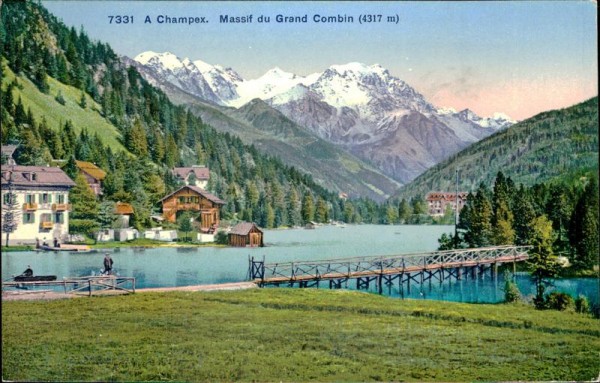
x: 525, y: 214
x: 71, y: 168
x: 308, y: 208
x: 391, y: 214
x: 106, y: 214
x: 479, y: 233
x: 136, y: 140
x: 322, y: 212
x: 404, y: 211
x: 540, y: 258
x: 82, y: 100
x: 83, y: 200
x: 583, y: 228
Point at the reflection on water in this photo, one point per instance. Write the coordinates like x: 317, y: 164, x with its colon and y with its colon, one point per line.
x: 166, y: 267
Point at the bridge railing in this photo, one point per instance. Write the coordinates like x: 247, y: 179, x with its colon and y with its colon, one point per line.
x: 339, y: 267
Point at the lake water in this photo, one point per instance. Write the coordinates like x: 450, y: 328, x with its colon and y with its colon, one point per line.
x: 167, y: 267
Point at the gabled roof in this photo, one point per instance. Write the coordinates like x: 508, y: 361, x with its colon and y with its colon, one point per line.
x: 123, y: 208
x: 200, y: 172
x: 243, y: 228
x: 8, y: 150
x: 201, y: 192
x: 35, y: 176
x: 91, y: 169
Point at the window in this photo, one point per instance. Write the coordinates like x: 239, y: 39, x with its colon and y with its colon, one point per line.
x: 45, y: 198
x: 46, y: 217
x: 6, y: 200
x: 28, y: 218
x: 30, y: 198
x: 60, y: 198
x: 59, y: 218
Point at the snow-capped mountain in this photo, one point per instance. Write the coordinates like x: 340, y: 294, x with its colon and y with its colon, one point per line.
x: 362, y: 107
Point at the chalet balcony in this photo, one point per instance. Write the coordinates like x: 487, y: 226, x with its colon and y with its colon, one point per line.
x: 46, y: 225
x: 30, y: 206
x: 184, y: 206
x: 61, y: 207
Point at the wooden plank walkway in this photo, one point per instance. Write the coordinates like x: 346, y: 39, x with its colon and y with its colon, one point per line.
x: 365, y: 267
x: 87, y: 285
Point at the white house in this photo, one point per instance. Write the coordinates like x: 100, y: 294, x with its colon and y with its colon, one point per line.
x: 195, y: 175
x: 42, y: 209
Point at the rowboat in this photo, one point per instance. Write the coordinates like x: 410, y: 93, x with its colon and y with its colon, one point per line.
x: 34, y: 278
x: 72, y: 248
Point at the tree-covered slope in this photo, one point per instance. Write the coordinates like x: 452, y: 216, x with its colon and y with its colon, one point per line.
x: 49, y: 66
x: 557, y: 145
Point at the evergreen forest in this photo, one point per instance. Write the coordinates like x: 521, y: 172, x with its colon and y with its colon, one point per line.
x: 66, y: 98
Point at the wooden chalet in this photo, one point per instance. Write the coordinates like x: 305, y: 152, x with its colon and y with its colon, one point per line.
x: 246, y: 234
x: 194, y: 199
x: 93, y: 175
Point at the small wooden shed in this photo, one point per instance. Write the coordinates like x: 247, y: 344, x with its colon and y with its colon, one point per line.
x: 246, y: 234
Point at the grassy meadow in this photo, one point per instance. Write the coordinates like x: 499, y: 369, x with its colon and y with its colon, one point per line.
x: 56, y: 114
x: 291, y: 335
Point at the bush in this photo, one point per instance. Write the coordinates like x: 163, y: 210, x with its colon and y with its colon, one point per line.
x: 511, y: 290
x: 88, y: 227
x: 59, y: 98
x: 221, y: 238
x: 582, y: 305
x: 559, y: 301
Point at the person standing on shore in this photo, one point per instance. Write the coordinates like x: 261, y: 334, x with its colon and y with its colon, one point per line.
x: 108, y: 262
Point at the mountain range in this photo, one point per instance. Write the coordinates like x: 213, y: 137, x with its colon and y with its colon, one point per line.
x: 553, y: 146
x: 363, y: 109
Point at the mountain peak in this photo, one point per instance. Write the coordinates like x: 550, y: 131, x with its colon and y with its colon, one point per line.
x: 167, y: 59
x: 277, y: 73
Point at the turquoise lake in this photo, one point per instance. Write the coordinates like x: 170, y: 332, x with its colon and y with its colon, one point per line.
x: 167, y: 267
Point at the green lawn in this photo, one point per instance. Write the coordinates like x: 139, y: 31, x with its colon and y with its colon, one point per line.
x: 291, y: 335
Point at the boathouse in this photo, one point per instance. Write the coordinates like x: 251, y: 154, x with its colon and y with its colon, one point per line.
x: 246, y: 234
x: 197, y: 200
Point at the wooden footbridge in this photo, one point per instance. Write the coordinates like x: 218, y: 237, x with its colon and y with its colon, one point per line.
x: 387, y: 270
x: 88, y: 285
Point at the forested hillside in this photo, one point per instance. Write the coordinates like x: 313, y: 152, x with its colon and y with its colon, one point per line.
x: 65, y: 97
x: 559, y: 145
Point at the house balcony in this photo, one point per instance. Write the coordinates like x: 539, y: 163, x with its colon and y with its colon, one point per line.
x: 187, y: 206
x: 46, y: 225
x: 30, y: 206
x: 61, y: 207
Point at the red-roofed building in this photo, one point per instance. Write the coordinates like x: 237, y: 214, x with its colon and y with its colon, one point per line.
x: 195, y: 175
x: 42, y: 195
x: 438, y: 201
x: 246, y: 234
x: 197, y: 200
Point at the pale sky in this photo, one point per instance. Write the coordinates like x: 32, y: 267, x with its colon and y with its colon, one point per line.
x: 515, y: 57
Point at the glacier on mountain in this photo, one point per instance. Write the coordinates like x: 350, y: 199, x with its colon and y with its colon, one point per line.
x: 363, y: 108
